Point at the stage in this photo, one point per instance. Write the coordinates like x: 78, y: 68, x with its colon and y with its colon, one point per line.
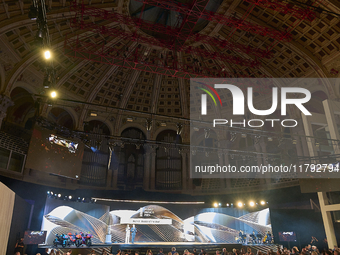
x: 166, y: 246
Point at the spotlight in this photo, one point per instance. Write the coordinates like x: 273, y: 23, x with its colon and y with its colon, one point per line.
x: 233, y: 137
x: 262, y: 202
x: 59, y: 195
x: 33, y: 13
x: 69, y: 197
x: 206, y: 132
x: 227, y: 204
x: 219, y: 204
x: 47, y: 81
x: 179, y: 128
x: 215, y: 204
x: 40, y: 33
x: 53, y: 94
x: 48, y: 192
x: 148, y: 124
x: 239, y: 204
x: 251, y: 203
x: 52, y: 193
x: 47, y: 54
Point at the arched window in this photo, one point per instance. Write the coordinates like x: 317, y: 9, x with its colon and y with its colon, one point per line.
x: 131, y: 159
x: 23, y: 108
x: 168, y: 162
x: 96, y: 154
x: 61, y: 117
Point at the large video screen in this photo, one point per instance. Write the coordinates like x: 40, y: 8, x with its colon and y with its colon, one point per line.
x: 34, y: 237
x: 52, y: 153
x: 154, y: 222
x: 287, y: 236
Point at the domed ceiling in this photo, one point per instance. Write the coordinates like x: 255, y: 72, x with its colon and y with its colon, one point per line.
x: 115, y: 59
x: 310, y: 53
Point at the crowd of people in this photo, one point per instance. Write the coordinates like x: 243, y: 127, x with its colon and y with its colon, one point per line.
x: 307, y: 250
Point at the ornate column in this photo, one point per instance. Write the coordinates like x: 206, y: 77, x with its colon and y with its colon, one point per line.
x: 114, y: 165
x: 185, y: 173
x: 223, y: 161
x: 146, y: 178
x: 259, y: 146
x: 5, y: 102
x: 190, y: 184
x: 153, y: 168
x: 226, y: 163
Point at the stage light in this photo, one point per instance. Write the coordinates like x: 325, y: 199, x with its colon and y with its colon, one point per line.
x: 206, y: 133
x: 148, y: 124
x: 47, y: 54
x: 239, y: 204
x: 179, y: 128
x: 33, y: 13
x: 53, y: 94
x: 48, y: 192
x: 219, y: 204
x: 215, y: 204
x: 47, y: 81
x: 262, y: 202
x: 59, y: 195
x: 251, y: 203
x: 227, y: 204
x: 83, y: 198
x: 51, y: 193
x: 69, y: 197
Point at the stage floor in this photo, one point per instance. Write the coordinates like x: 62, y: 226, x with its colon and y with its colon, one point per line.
x: 164, y: 245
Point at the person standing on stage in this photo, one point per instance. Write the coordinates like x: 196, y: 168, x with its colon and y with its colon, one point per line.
x: 127, y: 236
x: 160, y: 252
x: 133, y: 233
